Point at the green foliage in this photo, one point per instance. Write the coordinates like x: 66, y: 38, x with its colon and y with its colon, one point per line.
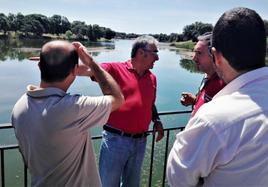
x: 109, y: 34
x: 191, y: 32
x: 185, y: 45
x: 68, y: 35
x: 37, y: 25
x: 4, y: 23
x: 59, y: 24
x: 189, y: 65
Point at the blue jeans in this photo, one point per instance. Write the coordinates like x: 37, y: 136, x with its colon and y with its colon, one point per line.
x: 121, y: 160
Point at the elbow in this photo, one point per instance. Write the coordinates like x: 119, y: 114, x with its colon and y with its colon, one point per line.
x: 121, y: 100
x: 118, y: 102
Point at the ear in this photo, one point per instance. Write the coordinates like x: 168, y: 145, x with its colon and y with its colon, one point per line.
x: 74, y: 70
x: 39, y: 64
x: 217, y: 57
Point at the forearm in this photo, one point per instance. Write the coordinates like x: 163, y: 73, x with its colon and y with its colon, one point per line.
x: 107, y: 84
x: 155, y: 115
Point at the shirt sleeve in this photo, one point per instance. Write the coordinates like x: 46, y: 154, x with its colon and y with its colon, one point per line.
x: 93, y: 111
x: 194, y: 155
x: 106, y: 66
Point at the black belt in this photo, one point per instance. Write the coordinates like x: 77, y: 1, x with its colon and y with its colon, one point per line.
x: 121, y: 133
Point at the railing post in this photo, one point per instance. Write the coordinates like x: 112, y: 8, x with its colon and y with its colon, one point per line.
x: 165, y: 159
x: 151, y: 162
x: 2, y: 169
x: 25, y: 176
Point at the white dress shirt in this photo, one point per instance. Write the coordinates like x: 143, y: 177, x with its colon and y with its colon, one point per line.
x: 226, y: 142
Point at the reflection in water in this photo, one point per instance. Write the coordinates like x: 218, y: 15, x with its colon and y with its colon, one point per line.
x: 23, y: 49
x: 189, y: 65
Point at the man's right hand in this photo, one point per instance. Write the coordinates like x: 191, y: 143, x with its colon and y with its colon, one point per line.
x: 187, y: 99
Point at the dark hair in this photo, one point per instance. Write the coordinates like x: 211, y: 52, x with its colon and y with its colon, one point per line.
x: 141, y: 43
x: 56, y: 64
x: 239, y: 35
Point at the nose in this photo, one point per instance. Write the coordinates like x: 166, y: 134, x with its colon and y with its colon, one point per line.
x: 194, y: 57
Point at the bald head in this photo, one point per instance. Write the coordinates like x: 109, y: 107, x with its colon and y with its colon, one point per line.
x: 57, y: 59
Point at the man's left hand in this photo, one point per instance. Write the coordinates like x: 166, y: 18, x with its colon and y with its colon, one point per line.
x: 158, y: 127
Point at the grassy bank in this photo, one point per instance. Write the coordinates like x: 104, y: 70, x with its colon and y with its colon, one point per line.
x: 190, y: 45
x: 184, y: 45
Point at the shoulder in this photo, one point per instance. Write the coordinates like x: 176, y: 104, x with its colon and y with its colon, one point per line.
x: 221, y: 112
x: 113, y: 65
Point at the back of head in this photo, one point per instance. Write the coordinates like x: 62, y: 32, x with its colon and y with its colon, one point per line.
x: 57, y: 59
x: 141, y: 43
x: 240, y: 36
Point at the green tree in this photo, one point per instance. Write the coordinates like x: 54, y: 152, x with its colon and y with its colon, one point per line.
x: 4, y: 23
x: 36, y: 24
x: 191, y: 32
x: 59, y: 24
x: 97, y: 31
x: 109, y: 34
x: 79, y: 28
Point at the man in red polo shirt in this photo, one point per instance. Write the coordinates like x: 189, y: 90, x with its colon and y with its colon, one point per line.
x: 211, y: 83
x: 124, y: 136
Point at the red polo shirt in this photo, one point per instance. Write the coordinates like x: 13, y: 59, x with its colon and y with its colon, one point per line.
x: 135, y: 115
x: 211, y: 87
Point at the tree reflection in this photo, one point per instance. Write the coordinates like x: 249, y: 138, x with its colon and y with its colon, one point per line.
x: 15, y: 49
x: 189, y: 65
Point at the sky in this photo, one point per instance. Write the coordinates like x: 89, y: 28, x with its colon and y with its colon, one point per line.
x: 135, y: 16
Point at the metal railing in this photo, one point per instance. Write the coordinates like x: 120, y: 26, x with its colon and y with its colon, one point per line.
x: 152, y: 154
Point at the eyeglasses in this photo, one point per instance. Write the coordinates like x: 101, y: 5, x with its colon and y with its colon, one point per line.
x: 211, y: 54
x: 150, y: 51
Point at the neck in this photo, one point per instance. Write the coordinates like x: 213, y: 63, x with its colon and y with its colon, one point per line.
x: 59, y: 85
x: 210, y: 74
x: 137, y: 67
x: 233, y: 75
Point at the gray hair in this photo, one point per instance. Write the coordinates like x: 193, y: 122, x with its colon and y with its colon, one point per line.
x: 142, y: 42
x: 206, y: 37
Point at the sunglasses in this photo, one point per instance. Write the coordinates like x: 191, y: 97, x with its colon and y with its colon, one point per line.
x: 150, y: 51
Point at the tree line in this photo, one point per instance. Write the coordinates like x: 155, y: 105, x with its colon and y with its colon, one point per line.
x: 36, y: 25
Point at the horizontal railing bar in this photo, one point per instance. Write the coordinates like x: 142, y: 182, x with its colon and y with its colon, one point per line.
x: 10, y: 146
x: 5, y: 126
x: 8, y: 125
x: 174, y: 112
x: 15, y: 146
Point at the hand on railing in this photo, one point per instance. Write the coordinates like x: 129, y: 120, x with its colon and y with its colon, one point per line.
x: 158, y: 127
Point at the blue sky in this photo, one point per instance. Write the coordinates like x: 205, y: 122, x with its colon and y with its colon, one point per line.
x: 135, y: 16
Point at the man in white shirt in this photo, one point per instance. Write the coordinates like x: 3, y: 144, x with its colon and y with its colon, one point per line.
x: 226, y: 142
x: 52, y: 127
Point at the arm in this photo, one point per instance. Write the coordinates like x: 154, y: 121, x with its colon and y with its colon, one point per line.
x: 196, y: 152
x: 107, y: 84
x: 157, y: 124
